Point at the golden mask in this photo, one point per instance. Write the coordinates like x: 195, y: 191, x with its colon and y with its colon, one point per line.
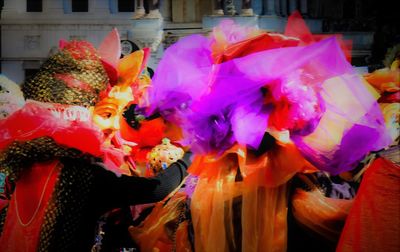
x: 129, y: 89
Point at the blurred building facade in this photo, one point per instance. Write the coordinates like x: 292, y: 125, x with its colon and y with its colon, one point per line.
x: 31, y: 29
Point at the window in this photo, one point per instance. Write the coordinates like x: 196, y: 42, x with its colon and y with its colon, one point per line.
x: 126, y: 5
x: 34, y: 5
x: 80, y: 5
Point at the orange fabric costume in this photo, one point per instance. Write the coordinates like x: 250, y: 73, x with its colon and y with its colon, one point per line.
x: 373, y: 223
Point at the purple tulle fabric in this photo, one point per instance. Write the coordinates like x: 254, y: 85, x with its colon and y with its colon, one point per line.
x: 351, y: 127
x: 218, y: 105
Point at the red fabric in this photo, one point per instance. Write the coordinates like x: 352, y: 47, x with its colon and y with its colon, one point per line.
x: 373, y: 223
x: 3, y: 203
x: 297, y: 27
x: 81, y: 50
x: 72, y: 82
x: 390, y: 97
x: 17, y: 237
x: 35, y: 120
x: 149, y: 134
x: 252, y: 45
x: 279, y: 117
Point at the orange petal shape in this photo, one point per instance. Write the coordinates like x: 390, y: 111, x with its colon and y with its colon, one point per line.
x: 129, y: 68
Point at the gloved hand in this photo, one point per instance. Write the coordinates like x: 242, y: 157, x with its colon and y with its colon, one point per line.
x: 187, y: 158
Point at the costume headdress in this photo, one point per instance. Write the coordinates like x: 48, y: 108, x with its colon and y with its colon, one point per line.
x: 54, y: 125
x: 236, y: 94
x: 117, y: 113
x: 54, y: 118
x: 74, y: 75
x: 237, y: 88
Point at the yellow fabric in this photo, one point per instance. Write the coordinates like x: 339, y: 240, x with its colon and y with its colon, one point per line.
x: 391, y: 114
x: 385, y: 79
x: 262, y: 193
x: 323, y: 215
x: 164, y: 228
x: 129, y: 68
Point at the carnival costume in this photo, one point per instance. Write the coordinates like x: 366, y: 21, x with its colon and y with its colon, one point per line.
x: 137, y: 135
x: 373, y: 223
x: 52, y: 151
x: 237, y: 89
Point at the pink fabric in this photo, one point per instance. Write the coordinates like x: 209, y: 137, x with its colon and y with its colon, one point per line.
x: 110, y: 52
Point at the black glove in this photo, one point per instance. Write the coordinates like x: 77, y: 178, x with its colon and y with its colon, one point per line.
x: 187, y: 158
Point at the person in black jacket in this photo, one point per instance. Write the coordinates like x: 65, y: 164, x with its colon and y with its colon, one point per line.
x: 63, y: 190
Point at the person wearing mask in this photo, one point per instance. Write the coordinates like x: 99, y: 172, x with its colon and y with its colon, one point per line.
x: 51, y: 152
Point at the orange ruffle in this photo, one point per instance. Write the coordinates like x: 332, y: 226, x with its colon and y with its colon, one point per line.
x: 324, y: 216
x: 261, y: 195
x: 164, y: 229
